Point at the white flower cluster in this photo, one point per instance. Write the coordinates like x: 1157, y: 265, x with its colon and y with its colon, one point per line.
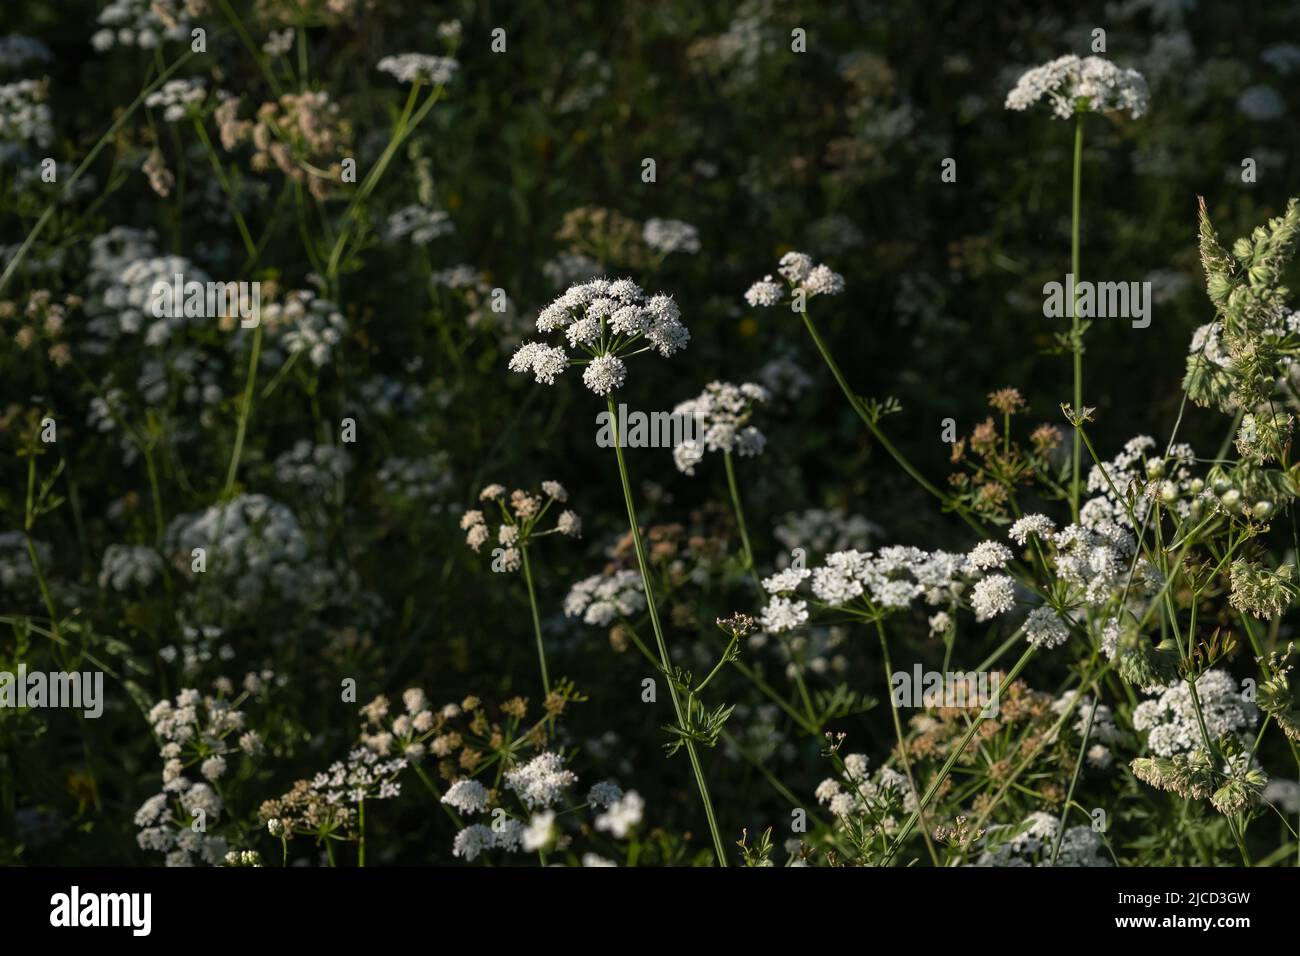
x: 891, y: 578
x: 568, y: 267
x: 802, y: 275
x: 139, y: 23
x: 176, y: 97
x: 784, y: 378
x: 605, y: 319
x: 257, y: 548
x: 418, y: 223
x: 125, y: 268
x: 541, y: 782
x: 1073, y: 84
x: 819, y: 531
x: 862, y: 794
x: 466, y: 795
x: 602, y: 599
x: 302, y: 322
x: 419, y: 68
x: 415, y: 479
x: 1170, y: 718
x: 1138, y: 474
x: 722, y: 412
x: 671, y: 235
x: 125, y: 565
x: 314, y: 468
x: 197, y: 646
x: 191, y: 730
x: 621, y: 815
x: 24, y: 116
x: 363, y: 776
x: 1032, y: 843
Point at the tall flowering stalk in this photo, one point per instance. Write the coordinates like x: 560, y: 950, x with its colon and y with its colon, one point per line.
x: 609, y: 321
x: 1074, y: 87
x: 516, y: 533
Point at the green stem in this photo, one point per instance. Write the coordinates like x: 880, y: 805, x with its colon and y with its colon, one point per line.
x: 1076, y: 334
x: 664, y: 661
x: 245, y: 410
x: 879, y: 435
x: 953, y: 757
x: 898, y: 734
x: 537, y: 622
x: 811, y: 722
x: 361, y: 832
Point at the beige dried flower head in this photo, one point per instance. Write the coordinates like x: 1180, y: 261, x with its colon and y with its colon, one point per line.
x: 1008, y: 401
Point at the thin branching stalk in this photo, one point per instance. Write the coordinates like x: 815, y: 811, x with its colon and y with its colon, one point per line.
x: 664, y: 661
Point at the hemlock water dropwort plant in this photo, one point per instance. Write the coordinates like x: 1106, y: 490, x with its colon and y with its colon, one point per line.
x: 263, y: 265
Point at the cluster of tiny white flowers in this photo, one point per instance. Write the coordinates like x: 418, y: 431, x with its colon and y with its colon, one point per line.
x: 257, y: 547
x: 1136, y: 474
x: 421, y: 224
x: 415, y: 479
x: 1037, y: 525
x: 891, y: 578
x: 993, y: 596
x: 177, y: 97
x: 468, y: 796
x: 313, y: 467
x: 861, y: 794
x: 671, y: 235
x: 125, y: 272
x: 1170, y: 717
x: 519, y: 521
x: 784, y: 378
x: 568, y: 267
x: 722, y: 411
x: 606, y: 319
x: 303, y: 322
x: 124, y: 566
x: 1032, y: 843
x: 987, y: 555
x: 819, y: 531
x: 138, y: 23
x: 279, y: 43
x: 195, y: 727
x: 24, y: 116
x: 602, y: 599
x: 197, y: 646
x: 622, y: 815
x: 363, y: 776
x: 1072, y: 84
x: 802, y: 275
x: 419, y: 68
x: 1044, y: 628
x: 540, y: 782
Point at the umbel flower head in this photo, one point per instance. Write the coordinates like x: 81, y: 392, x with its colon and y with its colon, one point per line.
x: 609, y: 321
x: 1072, y: 84
x: 722, y: 413
x: 804, y: 277
x: 520, y: 517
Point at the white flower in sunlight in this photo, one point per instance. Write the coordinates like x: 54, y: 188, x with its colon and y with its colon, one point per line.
x: 986, y: 555
x: 623, y: 814
x: 467, y: 796
x: 782, y: 614
x: 993, y: 596
x: 1073, y: 84
x: 419, y: 68
x: 1044, y: 628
